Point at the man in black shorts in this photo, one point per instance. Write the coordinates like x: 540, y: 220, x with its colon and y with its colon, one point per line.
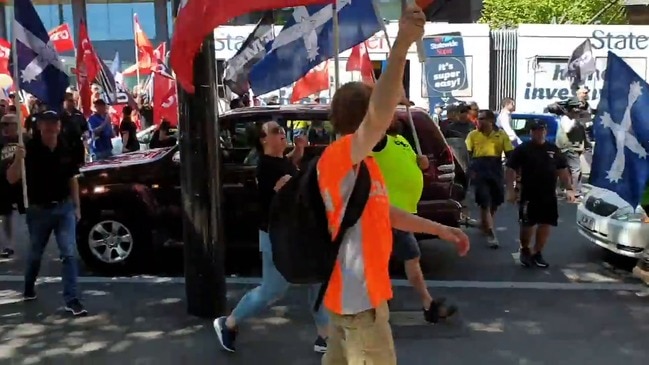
x: 538, y: 163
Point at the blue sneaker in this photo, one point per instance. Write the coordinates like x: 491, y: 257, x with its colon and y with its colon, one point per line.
x: 227, y: 337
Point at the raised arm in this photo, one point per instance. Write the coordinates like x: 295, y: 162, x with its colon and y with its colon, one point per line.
x: 388, y: 91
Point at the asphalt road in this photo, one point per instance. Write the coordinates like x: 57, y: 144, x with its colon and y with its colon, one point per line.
x: 572, y: 258
x: 144, y: 324
x: 584, y: 309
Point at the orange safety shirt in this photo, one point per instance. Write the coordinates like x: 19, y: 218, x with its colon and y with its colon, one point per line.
x: 360, y: 280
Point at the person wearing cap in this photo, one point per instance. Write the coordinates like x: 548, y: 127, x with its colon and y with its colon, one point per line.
x: 437, y: 113
x: 572, y: 140
x: 486, y: 146
x: 53, y: 194
x: 538, y: 163
x: 101, y: 131
x: 10, y: 194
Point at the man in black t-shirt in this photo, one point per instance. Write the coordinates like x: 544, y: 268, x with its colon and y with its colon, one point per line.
x: 128, y: 132
x: 10, y: 194
x: 53, y: 191
x: 74, y: 128
x: 538, y: 163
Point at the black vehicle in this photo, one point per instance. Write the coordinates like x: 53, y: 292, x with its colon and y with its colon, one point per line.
x: 131, y: 203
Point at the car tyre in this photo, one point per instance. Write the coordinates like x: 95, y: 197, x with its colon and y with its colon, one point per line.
x: 126, y: 240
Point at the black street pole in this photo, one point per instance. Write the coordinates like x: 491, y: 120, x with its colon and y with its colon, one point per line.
x: 201, y: 189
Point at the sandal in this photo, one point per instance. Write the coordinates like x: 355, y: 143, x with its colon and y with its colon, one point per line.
x: 439, y: 311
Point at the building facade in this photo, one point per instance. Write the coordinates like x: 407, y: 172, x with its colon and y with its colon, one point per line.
x: 111, y: 30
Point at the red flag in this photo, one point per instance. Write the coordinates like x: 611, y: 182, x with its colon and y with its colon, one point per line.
x: 158, y: 55
x: 424, y: 3
x: 197, y: 19
x: 359, y: 60
x: 314, y: 81
x: 6, y: 81
x: 88, y: 67
x: 145, y: 58
x: 5, y: 54
x: 61, y: 38
x: 165, y: 100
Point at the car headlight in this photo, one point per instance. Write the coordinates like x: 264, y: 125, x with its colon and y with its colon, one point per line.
x: 628, y: 214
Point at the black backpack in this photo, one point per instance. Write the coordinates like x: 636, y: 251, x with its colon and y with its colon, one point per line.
x: 303, y: 249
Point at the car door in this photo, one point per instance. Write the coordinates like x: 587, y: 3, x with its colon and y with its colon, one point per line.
x: 240, y: 202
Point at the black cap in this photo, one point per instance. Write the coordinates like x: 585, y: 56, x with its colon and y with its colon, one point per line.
x: 47, y: 116
x: 99, y: 102
x: 537, y: 124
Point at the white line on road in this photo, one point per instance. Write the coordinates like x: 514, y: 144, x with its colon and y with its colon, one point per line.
x: 397, y: 283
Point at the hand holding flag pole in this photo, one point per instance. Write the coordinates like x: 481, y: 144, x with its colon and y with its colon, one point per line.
x: 19, y: 116
x: 408, y: 112
x: 420, y: 44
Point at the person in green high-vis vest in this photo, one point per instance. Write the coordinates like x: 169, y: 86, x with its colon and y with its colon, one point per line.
x: 402, y: 171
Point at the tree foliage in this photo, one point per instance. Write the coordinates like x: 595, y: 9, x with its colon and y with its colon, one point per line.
x: 511, y: 13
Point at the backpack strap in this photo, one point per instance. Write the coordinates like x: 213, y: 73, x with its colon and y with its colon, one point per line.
x: 355, y: 207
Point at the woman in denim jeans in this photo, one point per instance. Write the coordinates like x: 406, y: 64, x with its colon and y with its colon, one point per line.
x: 273, y: 171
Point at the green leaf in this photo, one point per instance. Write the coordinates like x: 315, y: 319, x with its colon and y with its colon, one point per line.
x: 511, y: 13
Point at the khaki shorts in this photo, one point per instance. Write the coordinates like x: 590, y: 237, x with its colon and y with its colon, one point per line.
x: 360, y: 339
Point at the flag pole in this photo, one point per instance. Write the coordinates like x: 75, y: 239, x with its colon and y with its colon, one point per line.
x: 389, y: 43
x: 19, y: 116
x: 137, y: 56
x: 336, y: 31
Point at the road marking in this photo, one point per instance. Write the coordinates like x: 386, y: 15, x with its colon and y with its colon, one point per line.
x: 397, y: 283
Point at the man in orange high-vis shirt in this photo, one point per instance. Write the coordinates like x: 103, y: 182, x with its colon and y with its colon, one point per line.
x: 360, y: 286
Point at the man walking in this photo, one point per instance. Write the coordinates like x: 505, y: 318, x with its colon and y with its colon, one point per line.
x: 504, y: 121
x: 101, y: 131
x: 74, y: 129
x: 360, y: 286
x: 486, y: 147
x: 10, y: 195
x: 572, y: 140
x: 539, y: 163
x: 403, y: 170
x: 53, y: 191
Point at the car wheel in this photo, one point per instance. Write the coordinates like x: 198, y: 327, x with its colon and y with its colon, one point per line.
x: 112, y: 243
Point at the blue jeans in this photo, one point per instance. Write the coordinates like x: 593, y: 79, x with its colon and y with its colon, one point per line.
x: 273, y: 287
x: 41, y: 222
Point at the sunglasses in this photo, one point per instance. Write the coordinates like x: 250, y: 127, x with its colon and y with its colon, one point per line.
x: 277, y: 130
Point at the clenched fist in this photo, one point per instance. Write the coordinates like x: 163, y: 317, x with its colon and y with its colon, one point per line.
x: 411, y: 24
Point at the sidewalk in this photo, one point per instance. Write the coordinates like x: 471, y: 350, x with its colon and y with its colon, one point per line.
x: 144, y: 324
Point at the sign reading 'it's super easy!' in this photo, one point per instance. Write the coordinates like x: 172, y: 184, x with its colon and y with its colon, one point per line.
x: 445, y: 68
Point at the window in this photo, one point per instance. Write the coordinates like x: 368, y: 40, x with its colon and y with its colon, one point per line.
x: 239, y: 137
x: 105, y: 16
x: 52, y: 14
x: 318, y: 132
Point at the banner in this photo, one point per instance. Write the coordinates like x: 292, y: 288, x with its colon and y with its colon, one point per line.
x: 446, y: 72
x: 61, y: 38
x: 6, y: 81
